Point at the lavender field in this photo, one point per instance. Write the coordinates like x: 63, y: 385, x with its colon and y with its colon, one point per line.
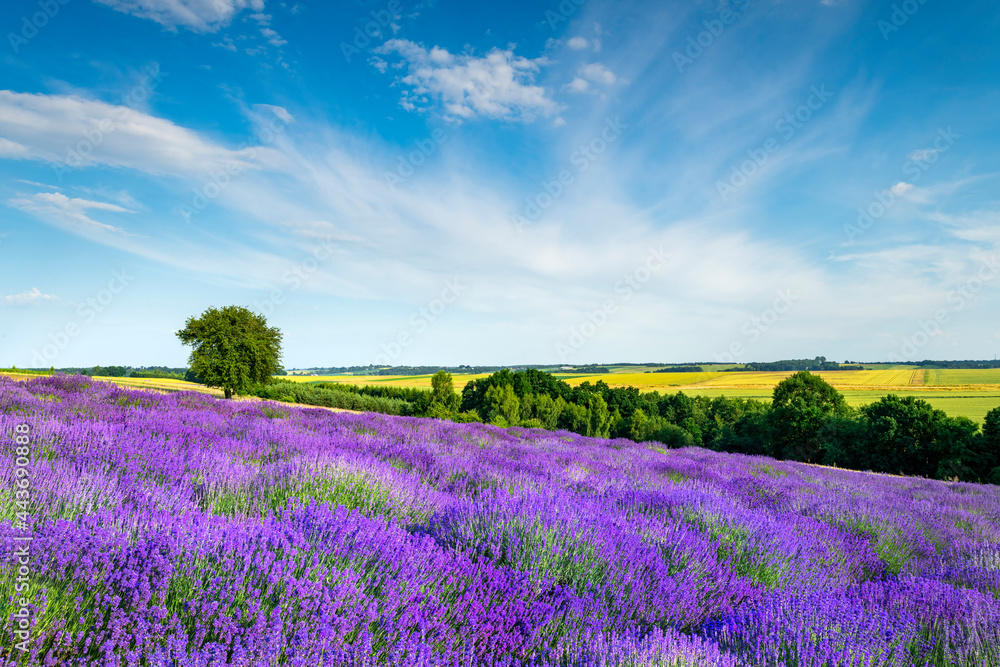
x: 179, y: 529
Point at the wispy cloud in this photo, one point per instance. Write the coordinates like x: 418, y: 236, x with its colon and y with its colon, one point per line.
x: 598, y: 73
x: 60, y: 209
x: 34, y: 295
x: 53, y: 127
x: 195, y: 15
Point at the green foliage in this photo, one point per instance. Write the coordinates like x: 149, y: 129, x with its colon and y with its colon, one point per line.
x: 327, y: 397
x: 800, y: 407
x: 908, y: 436
x: 157, y: 374
x: 444, y: 401
x: 672, y: 435
x: 501, y: 404
x: 529, y: 381
x: 467, y: 417
x: 817, y: 364
x: 233, y: 348
x: 598, y: 418
x: 989, y: 447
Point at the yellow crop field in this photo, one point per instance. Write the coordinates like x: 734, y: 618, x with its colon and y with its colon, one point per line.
x: 413, y: 381
x: 641, y: 380
x: 160, y: 384
x: 895, y: 377
x: 901, y: 377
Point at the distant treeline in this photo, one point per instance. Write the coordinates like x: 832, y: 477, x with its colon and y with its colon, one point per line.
x: 161, y: 372
x: 679, y: 369
x: 28, y: 371
x: 959, y: 365
x: 408, y: 370
x: 454, y: 370
x: 807, y: 420
x: 817, y: 364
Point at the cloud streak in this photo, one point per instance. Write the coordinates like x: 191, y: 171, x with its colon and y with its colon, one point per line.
x: 195, y: 15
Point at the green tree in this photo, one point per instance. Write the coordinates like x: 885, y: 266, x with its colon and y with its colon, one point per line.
x: 442, y: 386
x: 233, y: 348
x: 502, y: 407
x: 671, y: 435
x: 989, y: 447
x: 638, y: 425
x: 547, y: 411
x: 908, y: 436
x: 572, y: 416
x: 800, y: 406
x: 443, y: 391
x: 599, y: 417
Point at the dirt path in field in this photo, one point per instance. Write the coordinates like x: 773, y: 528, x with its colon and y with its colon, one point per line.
x: 919, y: 378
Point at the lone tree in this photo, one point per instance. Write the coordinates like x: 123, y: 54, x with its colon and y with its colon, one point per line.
x: 233, y: 348
x: 801, y: 405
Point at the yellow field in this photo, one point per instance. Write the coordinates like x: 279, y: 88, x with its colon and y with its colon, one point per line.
x: 417, y: 381
x: 641, y: 380
x: 161, y: 384
x: 876, y: 379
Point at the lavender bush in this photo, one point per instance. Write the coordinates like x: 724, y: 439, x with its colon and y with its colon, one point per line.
x: 177, y: 530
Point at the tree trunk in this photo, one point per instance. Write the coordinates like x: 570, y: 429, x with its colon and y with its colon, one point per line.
x: 229, y: 393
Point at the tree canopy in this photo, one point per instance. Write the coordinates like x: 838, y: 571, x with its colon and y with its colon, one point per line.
x: 233, y: 348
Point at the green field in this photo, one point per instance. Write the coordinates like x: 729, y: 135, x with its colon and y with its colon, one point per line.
x: 952, y: 377
x: 971, y: 404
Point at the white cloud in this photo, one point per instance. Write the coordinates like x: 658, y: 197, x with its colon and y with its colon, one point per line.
x: 577, y: 85
x: 577, y: 43
x: 273, y: 38
x: 31, y: 296
x: 598, y: 73
x: 498, y: 85
x: 901, y: 188
x: 226, y: 43
x: 76, y: 132
x: 60, y: 209
x: 195, y: 15
x: 12, y: 149
x: 280, y: 112
x: 37, y: 185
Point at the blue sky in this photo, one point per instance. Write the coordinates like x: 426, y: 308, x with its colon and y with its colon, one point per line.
x: 432, y: 183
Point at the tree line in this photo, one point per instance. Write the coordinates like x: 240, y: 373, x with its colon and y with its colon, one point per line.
x: 817, y: 364
x: 807, y: 419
